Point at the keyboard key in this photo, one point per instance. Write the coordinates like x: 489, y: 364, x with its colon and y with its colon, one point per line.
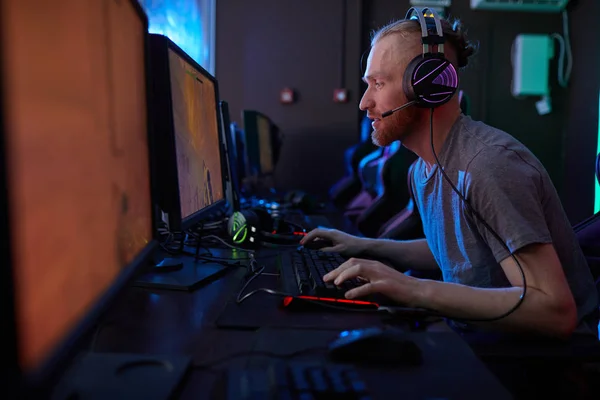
x: 307, y: 381
x: 299, y: 380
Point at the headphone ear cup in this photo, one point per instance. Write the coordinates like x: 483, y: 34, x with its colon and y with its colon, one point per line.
x: 431, y: 80
x: 243, y: 227
x: 407, y: 83
x: 265, y: 221
x: 253, y: 228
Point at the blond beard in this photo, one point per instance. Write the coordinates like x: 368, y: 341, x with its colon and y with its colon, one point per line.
x: 402, y: 124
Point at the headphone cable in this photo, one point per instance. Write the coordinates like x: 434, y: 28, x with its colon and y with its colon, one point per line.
x: 489, y: 228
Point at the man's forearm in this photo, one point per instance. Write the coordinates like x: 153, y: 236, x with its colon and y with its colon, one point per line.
x: 537, y: 313
x: 403, y: 255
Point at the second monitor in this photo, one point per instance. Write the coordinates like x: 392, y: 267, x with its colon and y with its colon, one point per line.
x: 187, y: 160
x: 186, y: 132
x: 259, y: 143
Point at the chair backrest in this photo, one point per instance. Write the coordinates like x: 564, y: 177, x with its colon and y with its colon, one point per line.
x: 394, y: 172
x: 371, y: 167
x: 588, y: 235
x: 365, y: 147
x: 598, y: 168
x: 406, y: 224
x: 349, y: 186
x: 392, y: 195
x: 370, y: 182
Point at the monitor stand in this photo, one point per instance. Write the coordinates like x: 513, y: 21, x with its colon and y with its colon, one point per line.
x: 96, y: 376
x: 185, y: 272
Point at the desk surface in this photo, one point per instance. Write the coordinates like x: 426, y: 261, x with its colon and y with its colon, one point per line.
x: 197, y: 324
x: 154, y: 321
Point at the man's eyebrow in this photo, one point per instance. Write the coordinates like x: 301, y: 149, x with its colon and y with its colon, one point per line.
x: 373, y: 76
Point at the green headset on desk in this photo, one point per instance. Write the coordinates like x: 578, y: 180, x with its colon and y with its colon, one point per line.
x: 256, y: 227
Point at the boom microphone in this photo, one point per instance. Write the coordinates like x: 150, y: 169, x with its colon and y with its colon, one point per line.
x: 388, y: 113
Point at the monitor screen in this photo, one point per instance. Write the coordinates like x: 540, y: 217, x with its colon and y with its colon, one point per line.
x: 75, y: 136
x: 265, y: 147
x: 259, y: 143
x: 197, y: 142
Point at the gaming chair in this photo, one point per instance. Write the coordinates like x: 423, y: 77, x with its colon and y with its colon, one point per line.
x: 406, y: 224
x: 393, y: 195
x: 588, y: 235
x: 347, y: 188
x: 370, y: 172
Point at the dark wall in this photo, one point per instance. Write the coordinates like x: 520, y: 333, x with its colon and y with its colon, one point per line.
x: 581, y: 133
x: 265, y: 45
x: 487, y: 79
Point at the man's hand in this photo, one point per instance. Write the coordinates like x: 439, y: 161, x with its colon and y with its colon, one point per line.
x: 379, y: 278
x: 343, y: 243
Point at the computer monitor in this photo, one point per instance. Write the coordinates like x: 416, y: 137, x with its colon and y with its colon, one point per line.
x: 186, y: 131
x: 75, y: 202
x: 187, y: 158
x: 231, y: 155
x: 259, y: 143
x: 239, y: 139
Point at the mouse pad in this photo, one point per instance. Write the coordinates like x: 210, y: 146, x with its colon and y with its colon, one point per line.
x: 450, y: 369
x: 263, y: 309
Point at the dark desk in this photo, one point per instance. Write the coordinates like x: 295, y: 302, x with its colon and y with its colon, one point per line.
x: 152, y: 321
x: 209, y: 327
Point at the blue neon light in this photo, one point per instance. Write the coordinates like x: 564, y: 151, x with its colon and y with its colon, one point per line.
x: 182, y: 22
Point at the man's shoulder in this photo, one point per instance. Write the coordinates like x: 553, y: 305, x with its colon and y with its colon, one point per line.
x: 490, y: 150
x: 481, y: 136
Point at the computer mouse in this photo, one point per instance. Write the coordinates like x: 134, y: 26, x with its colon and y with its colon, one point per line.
x: 375, y: 346
x: 318, y: 244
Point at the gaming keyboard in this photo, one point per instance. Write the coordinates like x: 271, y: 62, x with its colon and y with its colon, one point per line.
x: 296, y: 380
x: 302, y: 271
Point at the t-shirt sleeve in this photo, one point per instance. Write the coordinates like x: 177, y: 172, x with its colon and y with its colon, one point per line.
x: 507, y: 192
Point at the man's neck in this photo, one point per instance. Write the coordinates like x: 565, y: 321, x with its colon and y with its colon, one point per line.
x: 420, y: 141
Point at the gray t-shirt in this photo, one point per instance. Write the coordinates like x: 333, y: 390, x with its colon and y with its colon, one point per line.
x: 508, y: 186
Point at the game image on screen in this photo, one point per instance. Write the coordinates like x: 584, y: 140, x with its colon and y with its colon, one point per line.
x: 77, y: 159
x: 264, y: 144
x: 196, y: 137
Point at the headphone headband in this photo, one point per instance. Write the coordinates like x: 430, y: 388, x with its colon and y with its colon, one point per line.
x: 431, y: 27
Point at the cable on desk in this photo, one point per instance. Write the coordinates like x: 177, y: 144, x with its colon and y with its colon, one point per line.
x: 223, y: 242
x: 255, y: 274
x: 229, y: 357
x: 211, y: 257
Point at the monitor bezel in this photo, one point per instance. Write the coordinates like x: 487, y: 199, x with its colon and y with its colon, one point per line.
x: 164, y: 135
x: 41, y: 381
x: 231, y: 154
x: 254, y: 149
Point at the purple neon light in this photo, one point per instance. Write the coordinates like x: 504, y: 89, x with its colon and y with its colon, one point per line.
x: 421, y: 66
x: 447, y: 78
x: 432, y: 101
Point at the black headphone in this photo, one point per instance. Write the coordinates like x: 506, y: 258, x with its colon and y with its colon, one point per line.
x: 255, y: 228
x: 430, y: 79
